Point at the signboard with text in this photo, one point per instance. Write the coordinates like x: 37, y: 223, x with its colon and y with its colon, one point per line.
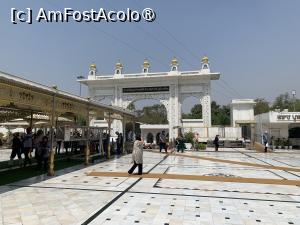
x: 146, y: 89
x: 288, y: 117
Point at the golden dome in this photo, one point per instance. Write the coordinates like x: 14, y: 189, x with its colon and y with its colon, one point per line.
x: 174, y: 62
x: 146, y: 63
x: 119, y: 65
x: 205, y: 59
x: 93, y: 66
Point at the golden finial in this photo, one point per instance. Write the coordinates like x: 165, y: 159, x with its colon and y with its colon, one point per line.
x: 119, y: 65
x: 174, y: 62
x: 93, y: 66
x: 146, y: 63
x: 205, y: 59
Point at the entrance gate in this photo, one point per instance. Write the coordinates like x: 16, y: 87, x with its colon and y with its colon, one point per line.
x: 169, y: 88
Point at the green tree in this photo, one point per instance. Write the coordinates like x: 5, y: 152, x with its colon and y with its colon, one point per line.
x: 131, y: 106
x: 220, y: 115
x: 285, y: 101
x: 155, y: 114
x: 196, y: 113
x: 261, y: 106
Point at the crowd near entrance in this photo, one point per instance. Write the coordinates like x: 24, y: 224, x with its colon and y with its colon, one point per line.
x: 41, y: 126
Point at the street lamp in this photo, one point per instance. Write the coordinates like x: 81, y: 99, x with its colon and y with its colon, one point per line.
x: 294, y: 99
x: 80, y: 78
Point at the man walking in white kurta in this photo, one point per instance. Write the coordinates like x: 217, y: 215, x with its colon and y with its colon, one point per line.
x: 137, y: 155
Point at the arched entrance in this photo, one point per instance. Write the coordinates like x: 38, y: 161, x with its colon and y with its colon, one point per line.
x: 150, y: 138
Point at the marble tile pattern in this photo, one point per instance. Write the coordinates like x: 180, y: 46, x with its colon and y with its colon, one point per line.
x: 72, y: 197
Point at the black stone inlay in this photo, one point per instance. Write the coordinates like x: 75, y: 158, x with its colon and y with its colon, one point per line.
x: 143, y: 211
x: 197, y: 200
x: 258, y: 221
x: 152, y: 197
x: 221, y: 201
x: 63, y: 180
x: 197, y: 207
x: 172, y: 205
x: 166, y: 224
x: 125, y: 202
x: 117, y: 209
x: 108, y: 219
x: 131, y: 196
x: 169, y: 213
x: 95, y: 177
x: 90, y: 219
x: 176, y: 198
x: 116, y: 178
x: 298, y: 206
x: 197, y: 215
x: 245, y: 203
x: 279, y: 213
x: 227, y: 218
x: 107, y: 183
x: 291, y: 223
x: 223, y: 209
x: 136, y: 221
x: 271, y: 205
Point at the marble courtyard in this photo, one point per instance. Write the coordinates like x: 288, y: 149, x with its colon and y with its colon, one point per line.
x: 234, y: 186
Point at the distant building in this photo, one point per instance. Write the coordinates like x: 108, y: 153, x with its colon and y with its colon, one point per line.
x: 280, y: 125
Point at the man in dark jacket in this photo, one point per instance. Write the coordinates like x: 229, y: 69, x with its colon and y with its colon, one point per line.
x: 216, y: 143
x: 16, y: 148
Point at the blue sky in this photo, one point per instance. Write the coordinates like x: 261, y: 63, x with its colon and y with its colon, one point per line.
x: 254, y: 44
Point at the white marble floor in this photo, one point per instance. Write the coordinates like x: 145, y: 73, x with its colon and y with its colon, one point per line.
x: 72, y: 197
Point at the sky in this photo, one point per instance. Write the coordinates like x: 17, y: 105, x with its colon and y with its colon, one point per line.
x: 254, y: 44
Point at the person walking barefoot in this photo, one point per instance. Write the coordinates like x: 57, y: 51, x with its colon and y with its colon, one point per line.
x: 137, y: 155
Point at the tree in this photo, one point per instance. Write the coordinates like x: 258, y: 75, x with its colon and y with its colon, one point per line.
x: 156, y: 114
x: 285, y: 101
x: 261, y: 106
x: 220, y: 114
x: 196, y: 113
x: 131, y: 106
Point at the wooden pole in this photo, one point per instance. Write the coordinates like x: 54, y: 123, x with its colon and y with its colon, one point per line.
x: 87, y: 148
x: 124, y: 135
x: 52, y: 151
x: 108, y: 135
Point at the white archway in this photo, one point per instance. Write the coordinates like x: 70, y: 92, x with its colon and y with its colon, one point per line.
x: 169, y: 88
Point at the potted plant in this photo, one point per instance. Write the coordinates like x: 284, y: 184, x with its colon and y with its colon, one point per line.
x: 201, y: 146
x: 188, y: 137
x: 282, y: 143
x: 276, y: 143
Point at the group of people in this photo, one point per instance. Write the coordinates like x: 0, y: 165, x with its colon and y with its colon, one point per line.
x: 26, y: 144
x: 138, y: 145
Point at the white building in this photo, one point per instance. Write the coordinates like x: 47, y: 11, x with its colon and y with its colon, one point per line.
x: 279, y: 125
x: 242, y: 115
